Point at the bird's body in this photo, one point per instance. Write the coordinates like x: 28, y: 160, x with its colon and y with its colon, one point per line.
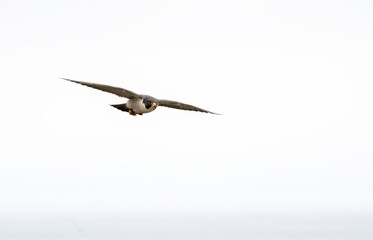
x: 137, y: 103
x: 138, y: 106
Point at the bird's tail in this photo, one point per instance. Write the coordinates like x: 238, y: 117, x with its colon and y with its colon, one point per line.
x: 121, y: 107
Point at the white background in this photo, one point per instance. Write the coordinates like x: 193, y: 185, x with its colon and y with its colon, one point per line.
x: 293, y: 80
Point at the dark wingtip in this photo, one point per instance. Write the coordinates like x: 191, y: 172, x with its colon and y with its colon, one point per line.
x: 66, y: 79
x: 215, y: 113
x: 70, y: 80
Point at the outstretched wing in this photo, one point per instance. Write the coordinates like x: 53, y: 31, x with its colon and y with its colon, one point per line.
x: 121, y: 92
x: 181, y: 106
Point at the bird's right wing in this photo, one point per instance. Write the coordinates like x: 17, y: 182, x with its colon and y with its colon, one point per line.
x: 121, y: 92
x: 182, y: 106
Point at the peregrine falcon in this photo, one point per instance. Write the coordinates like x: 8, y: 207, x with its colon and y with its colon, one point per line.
x: 139, y: 103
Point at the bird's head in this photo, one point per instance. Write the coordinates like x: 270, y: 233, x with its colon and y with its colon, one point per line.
x: 150, y: 102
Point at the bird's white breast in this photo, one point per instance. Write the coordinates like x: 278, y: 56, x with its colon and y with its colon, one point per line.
x: 138, y: 106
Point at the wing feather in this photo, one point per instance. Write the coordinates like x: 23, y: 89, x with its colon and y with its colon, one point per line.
x: 121, y: 92
x: 182, y: 106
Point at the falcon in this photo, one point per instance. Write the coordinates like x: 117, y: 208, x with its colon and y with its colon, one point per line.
x: 139, y: 104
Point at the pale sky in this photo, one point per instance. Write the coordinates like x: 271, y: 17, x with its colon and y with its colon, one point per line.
x: 293, y: 80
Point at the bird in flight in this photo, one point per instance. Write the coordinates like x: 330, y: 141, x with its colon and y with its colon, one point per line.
x: 138, y: 104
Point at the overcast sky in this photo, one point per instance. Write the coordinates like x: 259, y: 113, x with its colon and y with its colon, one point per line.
x: 293, y: 80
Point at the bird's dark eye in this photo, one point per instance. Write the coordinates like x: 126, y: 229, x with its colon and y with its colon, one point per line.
x: 148, y: 104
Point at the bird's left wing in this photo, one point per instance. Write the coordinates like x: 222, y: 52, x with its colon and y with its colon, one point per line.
x: 182, y: 106
x: 121, y: 92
